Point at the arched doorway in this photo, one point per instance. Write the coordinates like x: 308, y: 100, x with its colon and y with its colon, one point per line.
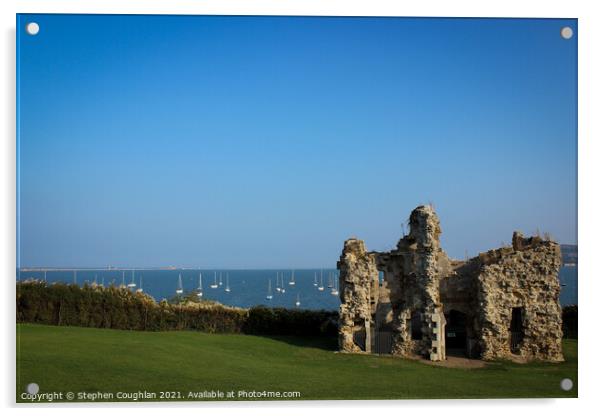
x: 456, y: 334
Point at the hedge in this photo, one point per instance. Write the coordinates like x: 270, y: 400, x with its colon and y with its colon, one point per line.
x: 117, y: 308
x: 262, y: 320
x: 569, y: 321
x: 113, y: 307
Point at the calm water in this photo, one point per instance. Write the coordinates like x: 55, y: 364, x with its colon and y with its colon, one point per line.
x: 248, y: 287
x: 568, y: 293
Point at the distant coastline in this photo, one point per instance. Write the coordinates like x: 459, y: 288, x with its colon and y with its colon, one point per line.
x: 569, y: 254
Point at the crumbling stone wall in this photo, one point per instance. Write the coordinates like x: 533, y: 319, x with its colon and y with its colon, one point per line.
x: 421, y: 286
x: 410, y: 289
x: 458, y: 294
x: 524, y: 277
x: 417, y: 263
x: 359, y: 293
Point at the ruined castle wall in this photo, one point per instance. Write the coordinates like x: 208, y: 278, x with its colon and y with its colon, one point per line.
x: 524, y: 277
x: 410, y: 301
x: 457, y: 290
x: 502, y: 304
x: 414, y: 271
x: 458, y: 295
x: 359, y: 291
x: 383, y: 316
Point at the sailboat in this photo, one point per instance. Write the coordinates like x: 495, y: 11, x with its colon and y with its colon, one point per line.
x: 335, y: 287
x: 292, y: 282
x: 180, y: 289
x: 122, y: 285
x: 269, y: 295
x: 45, y: 275
x: 132, y: 283
x: 220, y: 278
x: 316, y: 279
x: 278, y: 288
x: 330, y: 279
x: 139, y: 290
x: 298, y: 302
x: 199, y: 290
x: 95, y: 283
x: 321, y: 287
x: 227, y: 289
x: 283, y: 290
x: 214, y: 285
x: 102, y: 281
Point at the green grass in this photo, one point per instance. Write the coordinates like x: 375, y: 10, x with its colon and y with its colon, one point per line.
x: 74, y: 359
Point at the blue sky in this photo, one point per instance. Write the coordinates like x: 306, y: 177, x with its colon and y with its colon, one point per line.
x: 267, y: 141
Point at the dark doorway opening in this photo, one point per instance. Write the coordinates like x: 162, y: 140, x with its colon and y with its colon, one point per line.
x: 359, y: 335
x: 517, y: 332
x: 416, y: 325
x: 456, y: 334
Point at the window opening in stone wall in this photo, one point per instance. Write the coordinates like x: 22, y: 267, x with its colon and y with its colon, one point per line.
x: 416, y: 325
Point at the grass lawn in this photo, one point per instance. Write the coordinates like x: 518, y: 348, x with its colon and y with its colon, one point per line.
x: 74, y: 359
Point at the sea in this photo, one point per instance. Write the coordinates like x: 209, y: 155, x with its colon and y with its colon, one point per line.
x: 247, y: 287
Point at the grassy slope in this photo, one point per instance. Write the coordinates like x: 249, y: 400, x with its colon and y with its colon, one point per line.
x: 85, y: 359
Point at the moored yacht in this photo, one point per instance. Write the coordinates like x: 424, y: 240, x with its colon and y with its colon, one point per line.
x: 335, y: 286
x: 227, y: 289
x: 321, y: 286
x: 199, y: 290
x: 214, y: 284
x: 278, y: 288
x: 180, y: 288
x: 132, y: 283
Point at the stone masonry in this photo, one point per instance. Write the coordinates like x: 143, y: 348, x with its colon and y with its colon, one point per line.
x: 416, y: 301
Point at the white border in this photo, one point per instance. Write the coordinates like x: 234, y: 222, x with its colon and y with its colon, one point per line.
x: 590, y: 136
x: 510, y: 8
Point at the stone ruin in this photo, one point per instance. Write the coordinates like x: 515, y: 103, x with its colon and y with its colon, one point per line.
x: 416, y: 301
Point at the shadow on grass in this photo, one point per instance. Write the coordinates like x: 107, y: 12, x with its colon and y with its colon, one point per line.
x: 323, y: 343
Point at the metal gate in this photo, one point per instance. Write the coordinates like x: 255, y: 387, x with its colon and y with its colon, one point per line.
x: 383, y: 342
x: 516, y: 339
